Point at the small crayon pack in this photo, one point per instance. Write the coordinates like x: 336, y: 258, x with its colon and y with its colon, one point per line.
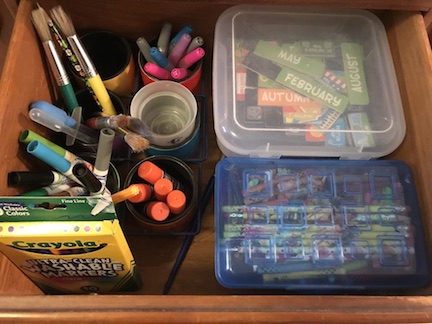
x: 63, y: 249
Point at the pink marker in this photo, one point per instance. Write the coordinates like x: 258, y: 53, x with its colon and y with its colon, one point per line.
x: 157, y: 71
x: 179, y: 49
x: 179, y: 73
x: 191, y: 58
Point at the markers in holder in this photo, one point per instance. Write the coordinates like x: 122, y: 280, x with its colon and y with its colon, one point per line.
x: 179, y: 49
x: 176, y: 201
x: 191, y: 58
x: 157, y: 71
x: 162, y: 188
x: 160, y: 59
x: 157, y: 210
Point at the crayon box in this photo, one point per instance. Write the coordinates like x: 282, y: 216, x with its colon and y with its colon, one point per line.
x: 63, y: 249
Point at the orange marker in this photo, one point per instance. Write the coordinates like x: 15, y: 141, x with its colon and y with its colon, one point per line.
x: 157, y: 210
x: 135, y: 193
x: 162, y: 188
x: 151, y: 173
x: 176, y: 201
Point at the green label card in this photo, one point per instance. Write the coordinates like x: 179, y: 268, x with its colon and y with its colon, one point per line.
x: 354, y: 72
x: 293, y: 60
x: 312, y: 89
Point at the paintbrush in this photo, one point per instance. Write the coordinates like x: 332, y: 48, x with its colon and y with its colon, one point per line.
x: 135, y: 125
x: 64, y: 22
x: 41, y: 25
x: 112, y: 122
x: 64, y: 44
x: 136, y: 142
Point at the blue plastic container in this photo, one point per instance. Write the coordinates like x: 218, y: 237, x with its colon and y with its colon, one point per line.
x: 318, y: 225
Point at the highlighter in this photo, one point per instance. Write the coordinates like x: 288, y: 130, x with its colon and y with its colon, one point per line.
x: 179, y: 73
x: 176, y: 201
x: 164, y: 38
x: 187, y: 29
x: 160, y: 59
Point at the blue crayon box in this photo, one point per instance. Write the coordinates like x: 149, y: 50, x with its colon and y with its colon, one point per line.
x: 63, y: 249
x: 304, y: 82
x: 320, y: 225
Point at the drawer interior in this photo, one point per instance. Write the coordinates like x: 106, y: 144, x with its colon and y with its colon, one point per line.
x: 25, y: 79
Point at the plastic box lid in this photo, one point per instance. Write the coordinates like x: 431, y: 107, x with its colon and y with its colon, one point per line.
x: 302, y: 82
x: 323, y: 225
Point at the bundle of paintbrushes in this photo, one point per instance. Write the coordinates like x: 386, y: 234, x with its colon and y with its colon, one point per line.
x: 133, y: 130
x: 64, y: 29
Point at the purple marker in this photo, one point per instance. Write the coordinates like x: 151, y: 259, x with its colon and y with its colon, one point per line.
x: 179, y: 73
x: 179, y: 49
x: 189, y: 59
x: 156, y: 71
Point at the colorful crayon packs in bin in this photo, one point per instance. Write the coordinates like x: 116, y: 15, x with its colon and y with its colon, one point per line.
x: 304, y: 82
x: 63, y: 249
x: 318, y: 225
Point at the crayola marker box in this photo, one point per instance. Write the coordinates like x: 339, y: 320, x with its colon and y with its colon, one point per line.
x: 63, y: 249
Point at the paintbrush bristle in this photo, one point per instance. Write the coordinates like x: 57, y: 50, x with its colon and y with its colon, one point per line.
x: 41, y: 24
x: 136, y: 142
x: 136, y: 125
x: 63, y: 21
x: 120, y: 120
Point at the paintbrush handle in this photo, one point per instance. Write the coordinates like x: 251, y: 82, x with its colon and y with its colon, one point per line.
x: 69, y: 97
x: 102, y: 95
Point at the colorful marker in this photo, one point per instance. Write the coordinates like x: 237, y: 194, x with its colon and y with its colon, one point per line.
x: 197, y: 41
x: 160, y: 59
x: 164, y: 38
x: 179, y: 73
x: 176, y: 201
x: 179, y: 49
x: 157, y: 210
x: 162, y: 188
x: 144, y: 47
x: 191, y: 58
x: 23, y: 178
x: 187, y: 29
x: 156, y: 71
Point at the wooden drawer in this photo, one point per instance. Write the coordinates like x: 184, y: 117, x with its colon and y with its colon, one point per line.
x: 195, y: 294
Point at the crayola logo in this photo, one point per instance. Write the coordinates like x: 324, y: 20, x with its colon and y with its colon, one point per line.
x: 52, y: 245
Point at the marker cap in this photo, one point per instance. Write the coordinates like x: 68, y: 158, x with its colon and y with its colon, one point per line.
x: 144, y: 192
x: 19, y: 178
x: 150, y: 172
x: 47, y: 155
x: 176, y: 201
x: 82, y: 172
x: 157, y: 210
x: 162, y: 188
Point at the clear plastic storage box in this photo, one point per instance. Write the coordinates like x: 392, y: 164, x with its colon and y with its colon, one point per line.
x: 294, y: 82
x: 318, y: 225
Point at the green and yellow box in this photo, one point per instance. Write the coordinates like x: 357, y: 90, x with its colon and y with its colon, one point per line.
x: 63, y: 249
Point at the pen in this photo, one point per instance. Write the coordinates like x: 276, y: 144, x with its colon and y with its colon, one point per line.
x: 164, y: 38
x: 103, y: 154
x: 144, y: 47
x: 179, y: 49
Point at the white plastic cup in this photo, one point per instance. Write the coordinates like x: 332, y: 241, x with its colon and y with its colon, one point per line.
x: 168, y: 109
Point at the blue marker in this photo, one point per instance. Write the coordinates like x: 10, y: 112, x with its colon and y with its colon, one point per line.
x: 160, y: 59
x: 54, y: 111
x: 56, y: 161
x: 185, y: 30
